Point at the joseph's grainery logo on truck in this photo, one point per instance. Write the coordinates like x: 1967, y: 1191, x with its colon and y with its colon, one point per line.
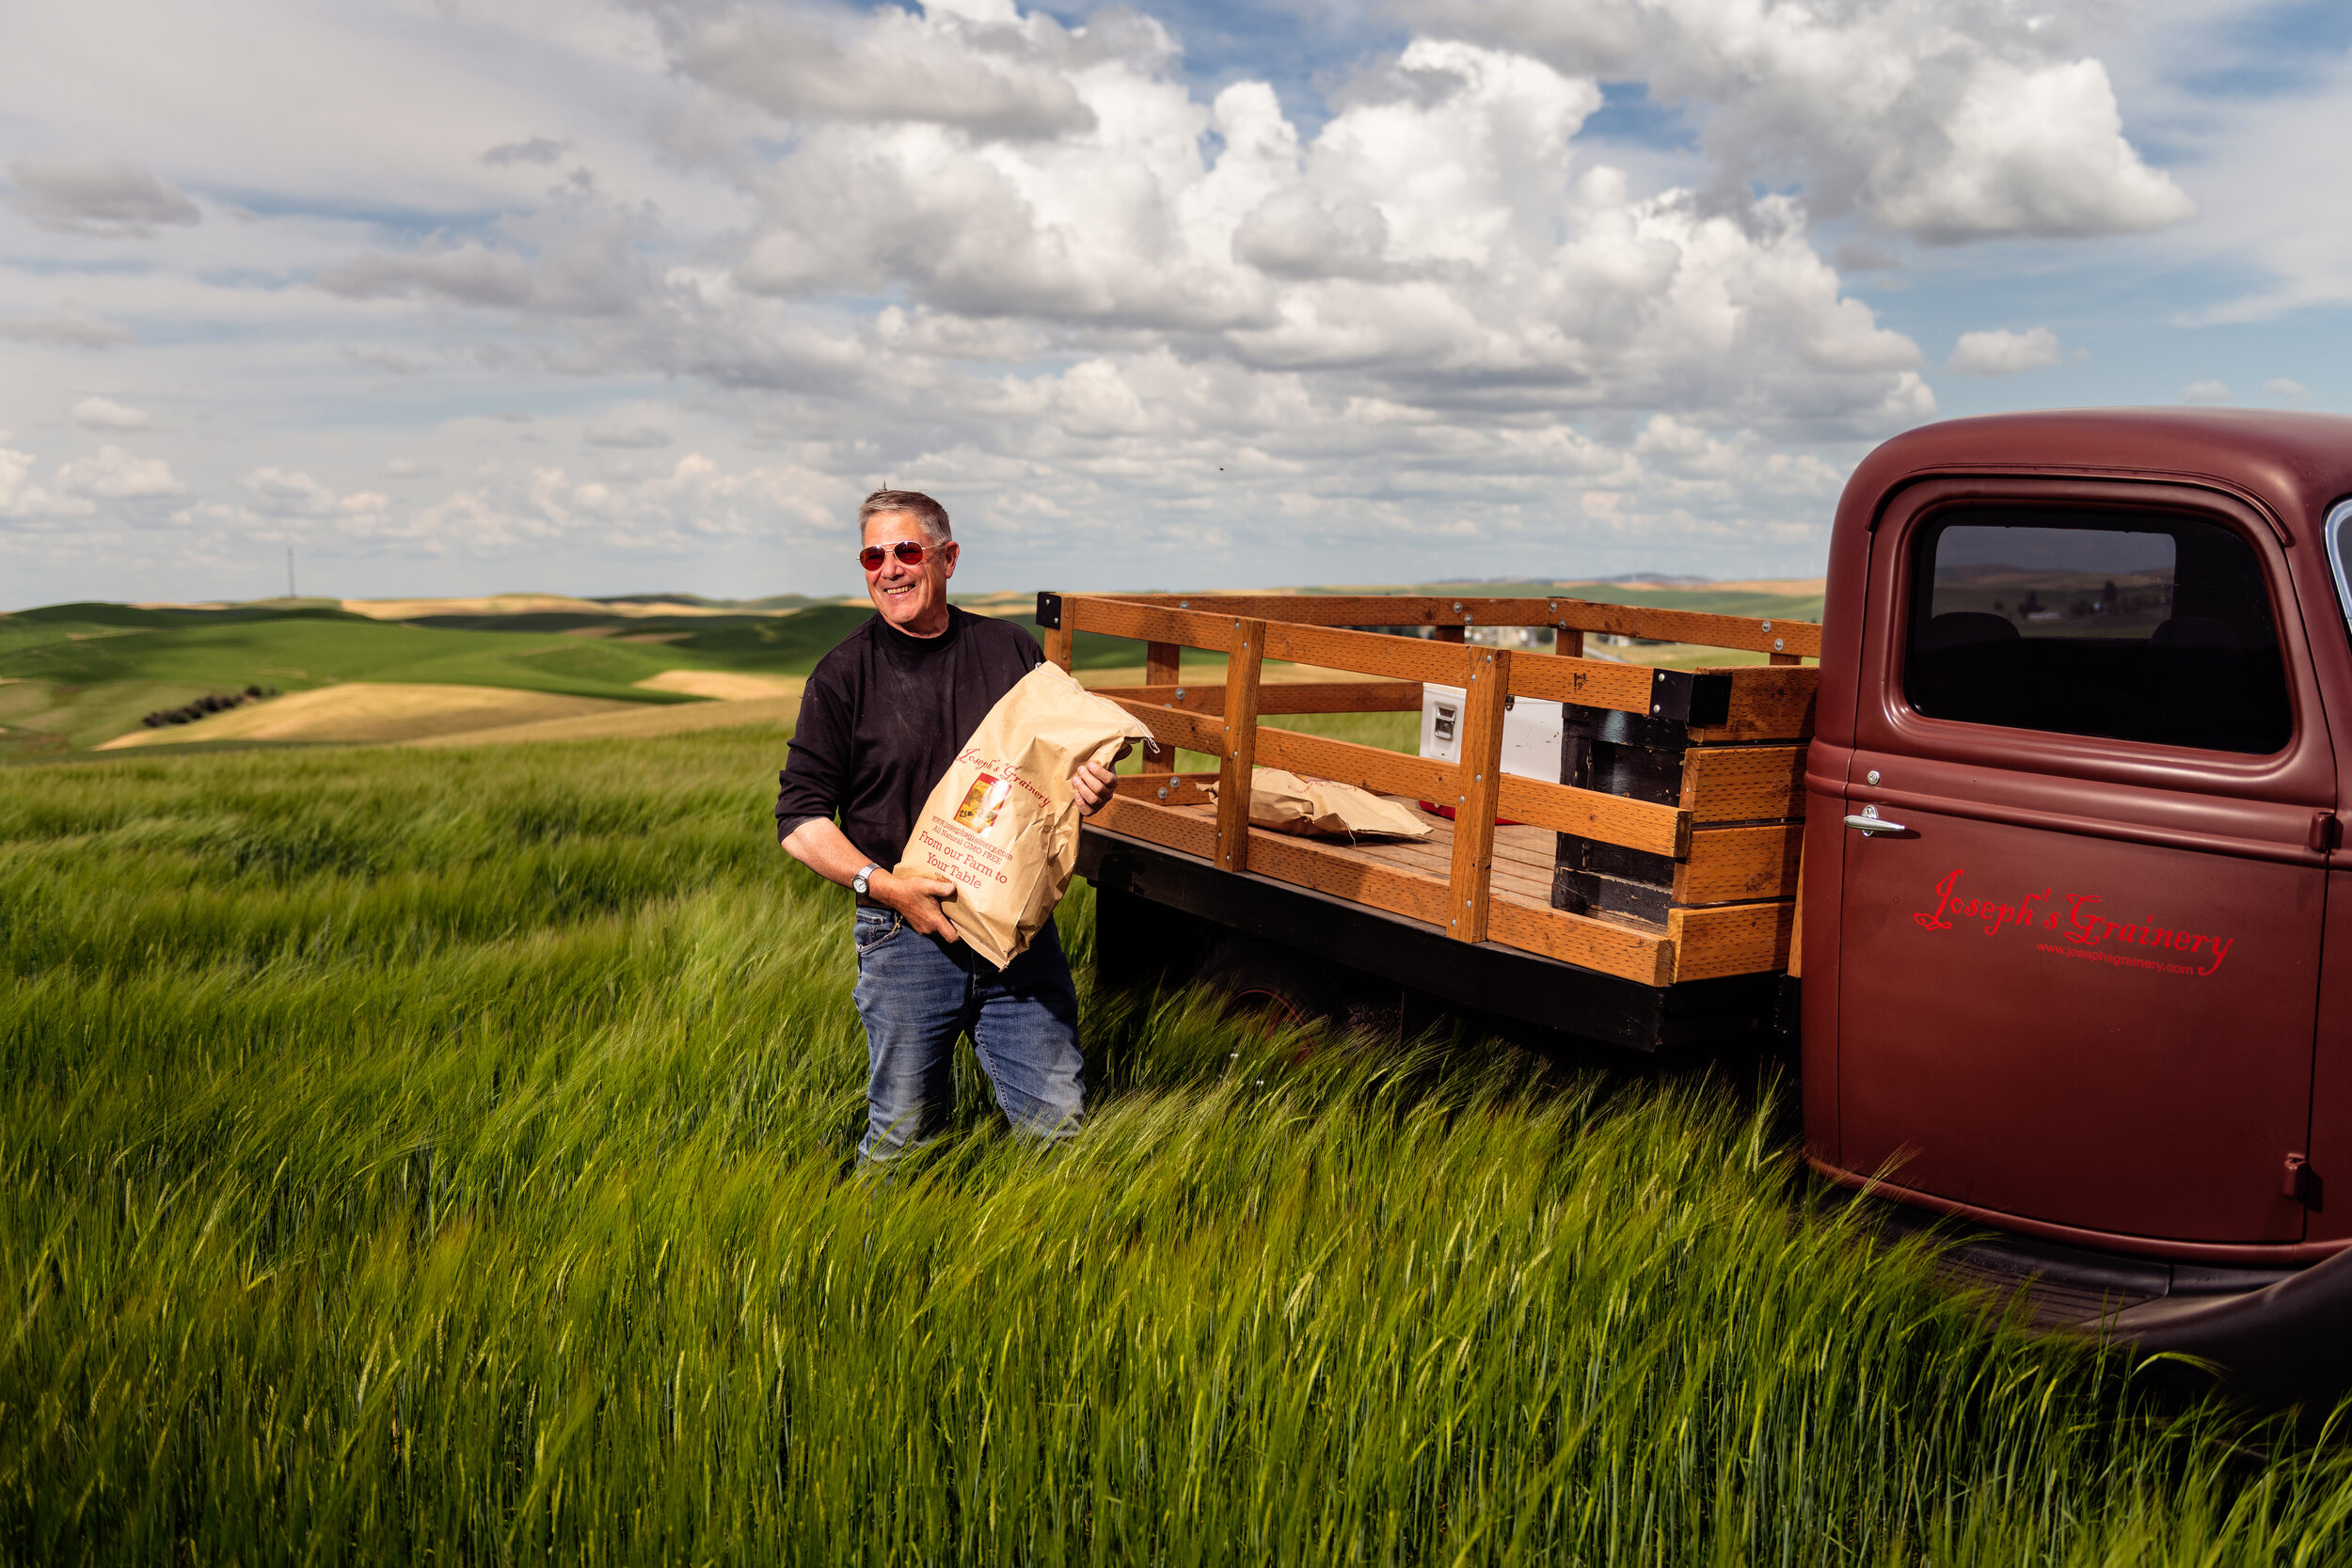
x: 2084, y: 930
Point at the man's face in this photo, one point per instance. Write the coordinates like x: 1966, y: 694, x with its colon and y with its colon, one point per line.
x: 912, y: 598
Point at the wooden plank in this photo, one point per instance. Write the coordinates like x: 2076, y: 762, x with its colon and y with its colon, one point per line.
x: 1057, y: 643
x: 1163, y: 666
x: 1589, y: 944
x: 1591, y: 682
x: 1477, y: 781
x: 1370, y: 653
x: 1363, y: 878
x: 1239, y: 757
x: 1735, y: 939
x: 1312, y: 609
x: 1373, y: 768
x: 1595, y: 813
x: 1148, y: 624
x: 1282, y: 697
x: 1447, y: 634
x: 1167, y: 789
x: 1794, y: 638
x: 1179, y: 727
x: 1742, y: 783
x: 1768, y: 703
x: 1404, y: 658
x: 1729, y: 865
x: 1183, y: 831
x: 1567, y: 643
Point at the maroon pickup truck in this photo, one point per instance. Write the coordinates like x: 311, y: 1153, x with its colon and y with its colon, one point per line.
x: 2069, y: 956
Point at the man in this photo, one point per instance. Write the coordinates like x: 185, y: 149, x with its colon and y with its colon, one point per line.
x: 882, y: 718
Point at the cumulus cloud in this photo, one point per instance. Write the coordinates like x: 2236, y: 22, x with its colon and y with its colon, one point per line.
x: 99, y: 195
x: 1946, y: 122
x: 2286, y: 390
x: 22, y: 500
x: 113, y: 474
x: 979, y: 66
x: 466, y: 273
x: 694, y: 501
x: 289, y: 493
x: 2206, y: 392
x: 68, y: 325
x: 97, y: 413
x: 542, y: 150
x: 1434, y: 242
x: 2001, y: 351
x: 580, y: 256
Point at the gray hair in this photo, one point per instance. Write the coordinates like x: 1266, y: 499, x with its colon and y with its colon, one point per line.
x: 928, y: 513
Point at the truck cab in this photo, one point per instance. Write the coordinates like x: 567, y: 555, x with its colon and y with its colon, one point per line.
x: 2071, y: 966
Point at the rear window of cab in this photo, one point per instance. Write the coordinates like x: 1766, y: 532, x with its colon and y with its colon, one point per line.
x: 2152, y: 628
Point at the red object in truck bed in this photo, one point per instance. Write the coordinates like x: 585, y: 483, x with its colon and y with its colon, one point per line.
x: 1447, y: 811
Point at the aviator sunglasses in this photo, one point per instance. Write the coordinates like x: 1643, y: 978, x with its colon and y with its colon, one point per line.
x: 907, y: 551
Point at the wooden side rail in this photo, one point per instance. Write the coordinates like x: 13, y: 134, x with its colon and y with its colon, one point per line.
x: 1303, y: 697
x: 1657, y: 829
x: 1789, y: 639
x: 1591, y: 682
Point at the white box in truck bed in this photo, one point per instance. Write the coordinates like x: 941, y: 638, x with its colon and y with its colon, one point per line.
x: 1531, y: 732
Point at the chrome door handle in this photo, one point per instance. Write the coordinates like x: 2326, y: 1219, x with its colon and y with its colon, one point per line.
x: 1871, y: 822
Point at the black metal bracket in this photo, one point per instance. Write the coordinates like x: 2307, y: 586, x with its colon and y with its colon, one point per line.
x: 1683, y: 697
x: 1049, y: 612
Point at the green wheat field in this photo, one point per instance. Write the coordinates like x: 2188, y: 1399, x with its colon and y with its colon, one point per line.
x: 443, y: 1157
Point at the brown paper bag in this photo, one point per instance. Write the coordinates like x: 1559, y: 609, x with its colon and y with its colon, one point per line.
x: 1287, y: 804
x: 1002, y: 825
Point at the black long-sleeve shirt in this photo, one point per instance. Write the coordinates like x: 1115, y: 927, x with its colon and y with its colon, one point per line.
x: 882, y: 718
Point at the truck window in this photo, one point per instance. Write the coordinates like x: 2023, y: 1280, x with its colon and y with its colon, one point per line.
x: 2148, y: 628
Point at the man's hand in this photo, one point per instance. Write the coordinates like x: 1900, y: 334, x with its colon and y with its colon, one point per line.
x: 917, y: 900
x: 1094, y: 782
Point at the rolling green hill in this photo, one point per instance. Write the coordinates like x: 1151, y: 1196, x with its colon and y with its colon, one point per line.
x: 74, y: 674
x: 77, y: 674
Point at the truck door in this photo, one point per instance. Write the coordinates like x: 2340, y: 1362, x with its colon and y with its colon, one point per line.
x: 2085, y: 877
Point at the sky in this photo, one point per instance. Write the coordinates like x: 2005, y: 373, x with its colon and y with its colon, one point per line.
x: 607, y: 296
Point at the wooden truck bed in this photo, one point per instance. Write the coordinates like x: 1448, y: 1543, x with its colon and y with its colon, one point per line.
x: 1673, y: 847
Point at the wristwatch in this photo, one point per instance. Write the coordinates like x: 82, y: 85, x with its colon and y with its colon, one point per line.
x: 857, y: 884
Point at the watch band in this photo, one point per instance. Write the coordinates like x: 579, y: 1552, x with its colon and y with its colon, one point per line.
x: 864, y: 875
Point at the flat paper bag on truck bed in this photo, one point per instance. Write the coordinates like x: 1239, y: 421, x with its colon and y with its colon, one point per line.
x: 1286, y: 804
x: 1002, y: 825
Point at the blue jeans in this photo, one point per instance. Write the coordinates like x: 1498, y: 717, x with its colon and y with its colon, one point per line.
x: 917, y: 993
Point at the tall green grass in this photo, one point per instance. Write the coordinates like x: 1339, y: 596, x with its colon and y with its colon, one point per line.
x: 445, y: 1157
